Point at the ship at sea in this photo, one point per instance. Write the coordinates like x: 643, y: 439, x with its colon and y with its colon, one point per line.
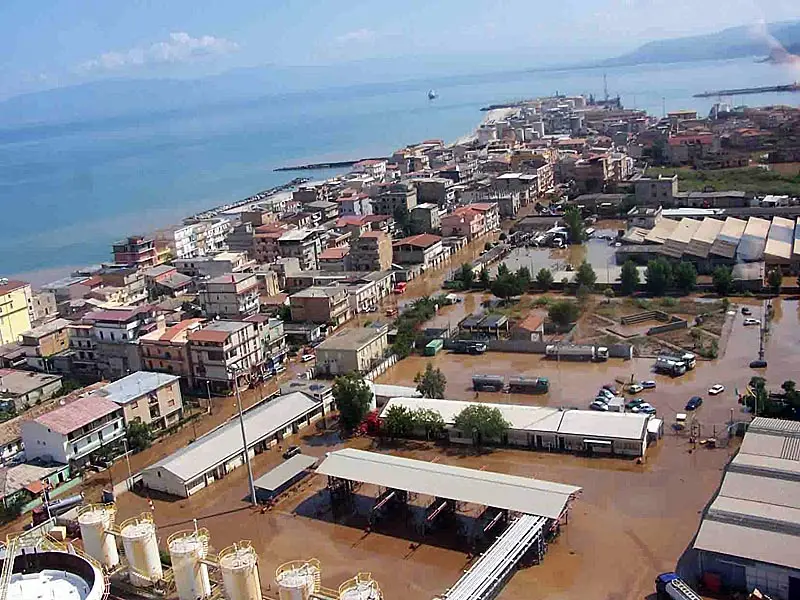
x: 432, y: 95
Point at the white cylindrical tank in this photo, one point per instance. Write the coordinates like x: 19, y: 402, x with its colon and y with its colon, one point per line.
x: 239, y: 566
x: 360, y: 587
x: 141, y: 550
x: 187, y: 549
x: 95, y: 520
x: 297, y: 580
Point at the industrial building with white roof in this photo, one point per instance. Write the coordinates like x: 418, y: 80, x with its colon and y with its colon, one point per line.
x: 750, y: 534
x: 218, y: 452
x: 545, y: 428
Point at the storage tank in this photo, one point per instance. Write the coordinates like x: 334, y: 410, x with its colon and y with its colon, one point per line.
x: 187, y: 549
x: 297, y: 580
x: 141, y: 550
x: 360, y: 587
x: 239, y: 566
x: 95, y: 521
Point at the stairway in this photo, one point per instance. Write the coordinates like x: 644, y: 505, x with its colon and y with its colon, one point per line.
x: 8, y: 566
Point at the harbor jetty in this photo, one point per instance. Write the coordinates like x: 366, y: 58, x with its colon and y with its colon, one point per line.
x: 340, y: 164
x: 789, y: 87
x: 260, y: 196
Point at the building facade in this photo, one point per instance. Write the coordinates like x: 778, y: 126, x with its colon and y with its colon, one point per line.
x: 425, y: 249
x: 223, y: 353
x: 230, y: 296
x: 150, y: 398
x: 352, y: 351
x: 14, y: 311
x: 318, y: 304
x: 372, y: 251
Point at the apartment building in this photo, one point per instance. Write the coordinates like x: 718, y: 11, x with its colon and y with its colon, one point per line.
x: 424, y: 249
x: 222, y: 351
x: 42, y: 307
x: 151, y: 398
x: 394, y: 197
x: 168, y: 351
x: 116, y: 335
x: 273, y: 341
x: 136, y: 251
x: 72, y: 433
x: 197, y: 238
x: 15, y: 316
x: 265, y: 243
x: 352, y: 351
x: 323, y: 209
x: 83, y: 348
x: 435, y: 190
x: 303, y: 244
x: 464, y: 222
x: 491, y: 215
x: 328, y: 304
x: 372, y: 251
x: 353, y: 203
x: 40, y: 343
x: 230, y: 296
x: 26, y: 389
x: 425, y: 218
x: 334, y: 259
x: 214, y: 265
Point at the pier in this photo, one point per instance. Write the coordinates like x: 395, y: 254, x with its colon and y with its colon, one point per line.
x: 260, y: 196
x: 340, y: 164
x: 789, y: 87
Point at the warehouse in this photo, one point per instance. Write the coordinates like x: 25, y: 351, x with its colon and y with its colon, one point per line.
x: 678, y: 242
x: 661, y: 232
x: 750, y: 535
x: 703, y: 239
x: 213, y: 455
x: 780, y: 241
x: 751, y: 246
x: 545, y: 428
x: 729, y: 237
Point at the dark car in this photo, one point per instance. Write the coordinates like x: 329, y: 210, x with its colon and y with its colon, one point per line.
x: 694, y: 403
x: 291, y: 451
x: 746, y: 311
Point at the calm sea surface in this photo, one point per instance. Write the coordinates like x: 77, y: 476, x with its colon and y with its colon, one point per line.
x: 67, y: 192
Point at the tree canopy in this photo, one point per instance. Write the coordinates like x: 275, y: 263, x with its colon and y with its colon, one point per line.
x: 722, y: 278
x: 465, y: 275
x: 544, y: 279
x: 399, y: 422
x: 775, y: 279
x: 685, y: 276
x: 658, y: 277
x: 574, y: 223
x: 507, y: 285
x: 430, y: 421
x: 563, y: 313
x: 482, y: 422
x: 353, y: 398
x: 139, y: 436
x: 431, y: 382
x: 629, y: 276
x: 585, y: 275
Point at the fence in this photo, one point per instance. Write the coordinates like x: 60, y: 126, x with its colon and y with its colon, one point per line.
x: 381, y: 368
x: 624, y: 351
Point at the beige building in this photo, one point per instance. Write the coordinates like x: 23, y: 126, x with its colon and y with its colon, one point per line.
x: 426, y: 218
x: 151, y: 398
x: 353, y: 351
x: 424, y: 249
x: 371, y: 252
x: 168, y: 351
x: 45, y: 341
x: 318, y: 304
x: 223, y: 350
x: 230, y: 296
x: 15, y: 297
x: 394, y: 197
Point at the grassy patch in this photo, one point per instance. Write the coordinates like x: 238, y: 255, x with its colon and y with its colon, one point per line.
x: 750, y: 179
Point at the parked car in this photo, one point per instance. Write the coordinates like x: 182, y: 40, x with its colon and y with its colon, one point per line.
x: 694, y: 403
x: 291, y: 451
x: 307, y: 357
x: 603, y: 399
x: 597, y: 405
x: 400, y: 287
x: 648, y: 385
x: 758, y: 364
x: 635, y: 388
x: 606, y: 393
x: 750, y: 321
x: 645, y: 408
x: 746, y: 311
x: 609, y: 387
x: 634, y: 403
x: 716, y: 389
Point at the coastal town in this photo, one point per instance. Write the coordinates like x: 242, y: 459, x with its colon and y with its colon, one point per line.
x: 557, y: 355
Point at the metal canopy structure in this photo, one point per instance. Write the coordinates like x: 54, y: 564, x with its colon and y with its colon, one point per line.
x: 510, y: 492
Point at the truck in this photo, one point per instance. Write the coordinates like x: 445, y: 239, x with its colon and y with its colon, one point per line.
x: 671, y: 587
x: 488, y: 383
x: 469, y: 347
x: 670, y: 366
x: 576, y: 352
x: 528, y: 385
x: 432, y: 347
x: 688, y: 359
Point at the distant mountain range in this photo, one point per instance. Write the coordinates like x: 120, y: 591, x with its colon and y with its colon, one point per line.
x: 735, y: 42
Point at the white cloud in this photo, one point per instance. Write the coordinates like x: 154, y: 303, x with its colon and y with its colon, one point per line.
x: 356, y: 36
x: 180, y: 47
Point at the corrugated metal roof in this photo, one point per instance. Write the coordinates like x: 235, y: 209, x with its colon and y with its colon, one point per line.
x: 728, y: 238
x: 661, y: 231
x: 796, y: 245
x: 780, y: 240
x: 486, y: 488
x: 754, y: 544
x: 704, y: 237
x: 286, y: 471
x: 751, y: 246
x: 225, y: 442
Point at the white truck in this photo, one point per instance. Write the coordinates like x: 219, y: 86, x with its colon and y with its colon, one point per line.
x: 670, y: 366
x: 576, y: 352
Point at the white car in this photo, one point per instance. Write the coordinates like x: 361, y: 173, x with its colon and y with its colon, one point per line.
x: 716, y: 389
x: 645, y: 408
x: 607, y: 393
x: 597, y: 405
x: 635, y: 388
x: 751, y: 321
x: 307, y: 357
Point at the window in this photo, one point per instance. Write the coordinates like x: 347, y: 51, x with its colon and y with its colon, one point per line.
x: 171, y: 403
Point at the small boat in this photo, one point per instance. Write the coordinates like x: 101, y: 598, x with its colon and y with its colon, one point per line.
x: 432, y: 95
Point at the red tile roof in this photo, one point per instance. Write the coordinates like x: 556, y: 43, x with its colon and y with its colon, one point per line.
x: 178, y: 329
x: 350, y: 220
x: 334, y: 253
x: 11, y: 286
x: 209, y: 335
x: 531, y: 322
x: 373, y: 234
x: 423, y: 240
x: 75, y: 415
x: 483, y: 206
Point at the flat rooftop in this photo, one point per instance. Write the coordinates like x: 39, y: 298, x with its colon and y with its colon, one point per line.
x: 284, y: 472
x: 780, y: 240
x: 352, y: 339
x: 135, y: 386
x: 662, y: 230
x: 18, y: 383
x: 485, y: 488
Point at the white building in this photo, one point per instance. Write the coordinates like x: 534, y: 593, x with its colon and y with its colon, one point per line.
x: 145, y: 397
x: 71, y: 433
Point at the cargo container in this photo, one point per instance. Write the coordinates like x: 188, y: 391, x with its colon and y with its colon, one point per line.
x: 432, y: 347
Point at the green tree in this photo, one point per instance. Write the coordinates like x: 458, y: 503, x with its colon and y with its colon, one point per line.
x: 685, y: 277
x: 430, y: 421
x: 585, y: 275
x: 789, y: 386
x: 758, y: 401
x: 485, y: 278
x: 285, y: 313
x: 139, y: 436
x: 466, y: 275
x: 502, y: 269
x: 629, y: 276
x: 401, y: 219
x: 775, y: 280
x: 563, y: 313
x: 544, y: 279
x: 483, y: 422
x: 353, y: 398
x: 506, y: 286
x: 399, y: 422
x: 658, y: 276
x: 523, y: 274
x: 722, y: 278
x: 431, y: 383
x: 574, y: 223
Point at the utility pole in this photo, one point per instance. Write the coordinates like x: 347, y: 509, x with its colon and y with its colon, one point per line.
x: 605, y: 87
x: 244, y: 439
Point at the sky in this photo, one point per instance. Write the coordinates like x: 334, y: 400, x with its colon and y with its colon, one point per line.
x: 49, y: 43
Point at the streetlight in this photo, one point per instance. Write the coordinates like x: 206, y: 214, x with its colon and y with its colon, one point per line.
x: 235, y: 374
x: 128, y: 460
